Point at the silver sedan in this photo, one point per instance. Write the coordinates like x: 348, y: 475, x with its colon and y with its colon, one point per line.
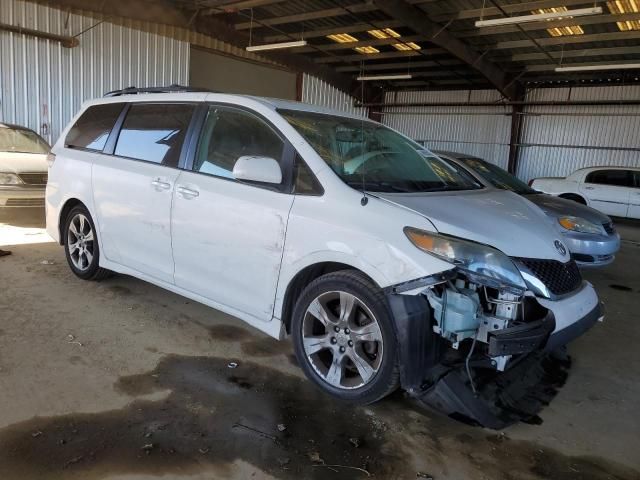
x: 588, y: 233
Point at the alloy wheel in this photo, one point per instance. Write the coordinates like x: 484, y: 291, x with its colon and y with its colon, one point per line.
x: 80, y: 242
x: 342, y: 340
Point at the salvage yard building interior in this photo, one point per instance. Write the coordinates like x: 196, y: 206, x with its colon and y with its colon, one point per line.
x: 124, y: 379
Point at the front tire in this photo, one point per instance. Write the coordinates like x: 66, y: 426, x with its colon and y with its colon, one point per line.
x: 81, y: 245
x: 344, y: 338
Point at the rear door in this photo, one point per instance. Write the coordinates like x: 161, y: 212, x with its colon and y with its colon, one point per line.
x: 133, y: 184
x: 228, y: 236
x: 608, y: 190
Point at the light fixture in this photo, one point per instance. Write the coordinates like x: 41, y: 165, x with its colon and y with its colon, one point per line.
x: 588, y: 68
x: 342, y: 38
x: 367, y: 50
x: 407, y: 46
x: 619, y: 7
x: 560, y: 31
x: 384, y: 33
x: 366, y: 78
x: 579, y: 12
x: 276, y: 46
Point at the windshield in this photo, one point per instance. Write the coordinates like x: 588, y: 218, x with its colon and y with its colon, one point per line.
x: 21, y: 140
x: 498, y: 177
x: 367, y: 155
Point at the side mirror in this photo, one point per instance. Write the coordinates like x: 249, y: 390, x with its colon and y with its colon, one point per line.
x: 255, y: 168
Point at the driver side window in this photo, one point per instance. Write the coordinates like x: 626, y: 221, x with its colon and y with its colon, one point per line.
x: 229, y: 134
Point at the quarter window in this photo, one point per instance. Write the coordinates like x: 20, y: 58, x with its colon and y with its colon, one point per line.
x: 155, y: 132
x: 93, y: 127
x: 229, y: 134
x: 619, y: 178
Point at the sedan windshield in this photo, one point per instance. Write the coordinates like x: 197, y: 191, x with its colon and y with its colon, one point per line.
x: 21, y: 140
x: 497, y: 177
x: 368, y: 156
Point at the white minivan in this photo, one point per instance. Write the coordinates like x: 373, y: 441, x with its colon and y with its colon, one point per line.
x: 387, y: 266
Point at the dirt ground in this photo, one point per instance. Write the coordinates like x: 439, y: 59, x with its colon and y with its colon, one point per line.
x: 121, y: 379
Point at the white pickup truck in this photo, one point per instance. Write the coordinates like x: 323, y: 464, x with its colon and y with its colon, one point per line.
x: 612, y: 190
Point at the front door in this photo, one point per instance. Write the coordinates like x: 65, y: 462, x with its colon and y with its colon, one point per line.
x: 133, y: 188
x: 608, y: 190
x: 228, y: 236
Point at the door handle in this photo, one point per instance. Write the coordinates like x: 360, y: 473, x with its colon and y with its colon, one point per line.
x: 187, y: 193
x: 589, y: 188
x: 160, y: 185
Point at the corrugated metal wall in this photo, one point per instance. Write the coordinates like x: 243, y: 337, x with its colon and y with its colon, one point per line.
x: 43, y: 84
x: 558, y: 140
x: 479, y: 131
x: 319, y: 92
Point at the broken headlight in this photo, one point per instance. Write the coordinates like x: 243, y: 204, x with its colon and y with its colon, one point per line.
x: 481, y: 263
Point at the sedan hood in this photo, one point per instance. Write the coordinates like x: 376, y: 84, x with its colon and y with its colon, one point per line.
x: 501, y: 219
x: 558, y: 207
x: 14, y: 162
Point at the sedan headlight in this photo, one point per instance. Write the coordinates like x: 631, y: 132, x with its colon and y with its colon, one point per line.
x: 483, y: 264
x: 9, y: 179
x: 577, y: 224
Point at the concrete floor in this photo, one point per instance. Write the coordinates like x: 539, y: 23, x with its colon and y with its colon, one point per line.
x: 121, y: 379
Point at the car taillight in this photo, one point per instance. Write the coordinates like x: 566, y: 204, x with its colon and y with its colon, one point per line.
x: 531, y: 182
x: 51, y: 157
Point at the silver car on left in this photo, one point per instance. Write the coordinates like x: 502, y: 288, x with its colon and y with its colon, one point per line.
x: 588, y: 234
x: 23, y: 167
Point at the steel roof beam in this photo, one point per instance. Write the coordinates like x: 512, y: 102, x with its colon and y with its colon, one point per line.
x: 415, y: 18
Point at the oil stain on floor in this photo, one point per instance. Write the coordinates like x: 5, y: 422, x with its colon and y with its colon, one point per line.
x: 281, y: 424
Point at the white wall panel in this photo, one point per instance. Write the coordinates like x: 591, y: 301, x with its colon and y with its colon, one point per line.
x: 557, y: 140
x: 43, y: 84
x: 479, y: 131
x: 318, y: 92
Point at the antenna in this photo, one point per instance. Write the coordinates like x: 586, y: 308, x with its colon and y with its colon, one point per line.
x: 364, y: 200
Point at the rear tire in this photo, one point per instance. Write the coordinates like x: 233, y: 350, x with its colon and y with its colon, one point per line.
x: 81, y: 245
x: 344, y: 338
x: 574, y: 197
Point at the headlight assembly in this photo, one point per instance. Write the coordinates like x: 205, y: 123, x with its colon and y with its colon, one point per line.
x: 487, y: 265
x: 577, y: 224
x: 9, y: 179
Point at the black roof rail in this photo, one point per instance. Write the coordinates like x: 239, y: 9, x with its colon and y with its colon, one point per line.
x: 169, y: 89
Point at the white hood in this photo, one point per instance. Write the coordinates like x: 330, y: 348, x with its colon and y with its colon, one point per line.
x: 499, y: 218
x: 14, y: 162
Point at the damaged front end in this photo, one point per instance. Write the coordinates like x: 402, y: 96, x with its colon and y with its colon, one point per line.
x: 479, y: 347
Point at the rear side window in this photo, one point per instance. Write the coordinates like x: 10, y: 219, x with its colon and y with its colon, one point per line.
x: 230, y: 134
x: 619, y: 178
x: 155, y: 132
x: 93, y: 127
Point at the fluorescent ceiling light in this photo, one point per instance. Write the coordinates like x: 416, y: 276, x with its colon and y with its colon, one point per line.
x: 365, y: 78
x: 619, y: 7
x: 384, y: 33
x: 580, y: 12
x: 276, y: 46
x: 560, y: 31
x: 405, y: 47
x: 342, y: 38
x: 588, y: 68
x: 367, y: 50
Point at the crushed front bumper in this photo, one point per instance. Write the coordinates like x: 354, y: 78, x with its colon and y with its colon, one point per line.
x: 519, y: 393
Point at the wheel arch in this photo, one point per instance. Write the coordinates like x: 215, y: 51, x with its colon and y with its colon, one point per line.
x: 576, y: 197
x: 305, y: 276
x: 69, y: 204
